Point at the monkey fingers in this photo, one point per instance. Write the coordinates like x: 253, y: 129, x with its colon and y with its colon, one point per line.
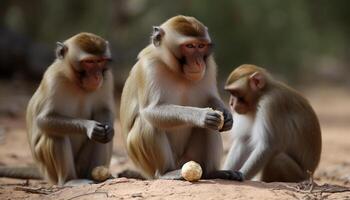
x: 99, y: 134
x: 109, y: 132
x: 228, y: 120
x: 235, y: 175
x: 212, y: 120
x: 227, y: 175
x: 109, y: 129
x: 212, y: 125
x: 227, y: 124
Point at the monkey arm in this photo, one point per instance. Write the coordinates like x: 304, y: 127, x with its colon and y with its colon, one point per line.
x: 56, y: 125
x: 237, y: 155
x: 104, y: 116
x: 257, y: 160
x: 167, y: 116
x: 217, y: 104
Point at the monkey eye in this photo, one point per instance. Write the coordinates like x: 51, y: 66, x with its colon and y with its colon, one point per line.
x: 234, y: 93
x: 190, y: 46
x: 201, y: 46
x: 238, y: 95
x: 101, y: 62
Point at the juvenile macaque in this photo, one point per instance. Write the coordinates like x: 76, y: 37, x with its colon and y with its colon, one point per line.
x: 166, y: 114
x: 70, y: 116
x: 276, y: 133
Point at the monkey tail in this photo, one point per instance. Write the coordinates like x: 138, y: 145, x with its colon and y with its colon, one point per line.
x: 20, y: 172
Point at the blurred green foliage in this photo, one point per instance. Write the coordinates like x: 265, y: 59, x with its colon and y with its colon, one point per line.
x: 293, y: 37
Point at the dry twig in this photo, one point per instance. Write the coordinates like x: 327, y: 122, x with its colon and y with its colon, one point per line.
x: 33, y: 190
x: 87, y: 194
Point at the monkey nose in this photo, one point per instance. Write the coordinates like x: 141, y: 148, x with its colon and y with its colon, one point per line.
x: 200, y: 62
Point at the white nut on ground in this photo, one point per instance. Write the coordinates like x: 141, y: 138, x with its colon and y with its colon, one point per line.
x: 100, y: 173
x: 191, y: 171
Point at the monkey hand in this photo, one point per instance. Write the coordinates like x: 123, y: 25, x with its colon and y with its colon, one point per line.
x: 212, y: 119
x: 99, y: 132
x: 228, y: 120
x: 233, y: 175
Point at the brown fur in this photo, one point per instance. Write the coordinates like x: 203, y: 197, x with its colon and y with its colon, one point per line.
x: 91, y: 43
x: 188, y: 26
x: 280, y: 137
x: 164, y: 115
x: 242, y: 71
x: 69, y: 127
x: 59, y: 115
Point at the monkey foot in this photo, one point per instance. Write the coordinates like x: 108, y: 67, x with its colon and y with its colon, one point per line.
x: 227, y: 175
x: 77, y: 182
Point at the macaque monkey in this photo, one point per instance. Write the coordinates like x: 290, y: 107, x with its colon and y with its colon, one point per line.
x: 70, y: 116
x: 166, y: 106
x: 276, y: 133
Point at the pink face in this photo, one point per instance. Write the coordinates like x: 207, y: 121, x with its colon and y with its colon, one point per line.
x: 195, y: 53
x: 91, y: 77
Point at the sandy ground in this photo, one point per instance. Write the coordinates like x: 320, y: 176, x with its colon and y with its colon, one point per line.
x: 332, y: 178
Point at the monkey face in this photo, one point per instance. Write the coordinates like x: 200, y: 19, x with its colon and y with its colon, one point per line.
x: 238, y: 103
x: 242, y: 98
x: 194, y: 54
x: 188, y: 41
x: 87, y: 56
x: 91, y: 73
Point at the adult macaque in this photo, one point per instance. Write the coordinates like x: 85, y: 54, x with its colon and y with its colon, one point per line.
x: 70, y: 116
x: 276, y: 133
x: 165, y: 112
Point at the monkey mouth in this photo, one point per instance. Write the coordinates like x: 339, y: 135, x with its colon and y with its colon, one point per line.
x: 187, y: 67
x: 193, y: 71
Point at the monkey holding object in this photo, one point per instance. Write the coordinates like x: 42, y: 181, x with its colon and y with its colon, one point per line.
x: 70, y: 116
x: 165, y: 113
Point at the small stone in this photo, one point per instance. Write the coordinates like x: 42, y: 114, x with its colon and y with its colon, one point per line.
x: 100, y: 173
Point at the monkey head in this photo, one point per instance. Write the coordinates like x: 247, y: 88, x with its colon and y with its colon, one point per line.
x: 246, y: 84
x: 186, y: 41
x: 87, y: 55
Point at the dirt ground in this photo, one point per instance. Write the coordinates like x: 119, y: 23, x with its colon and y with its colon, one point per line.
x: 332, y: 178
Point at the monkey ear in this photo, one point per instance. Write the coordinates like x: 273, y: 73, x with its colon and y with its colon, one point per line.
x: 257, y: 81
x: 108, y: 51
x: 61, y: 50
x: 157, y: 35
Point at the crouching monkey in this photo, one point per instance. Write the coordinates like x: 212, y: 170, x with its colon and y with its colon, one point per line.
x: 276, y: 133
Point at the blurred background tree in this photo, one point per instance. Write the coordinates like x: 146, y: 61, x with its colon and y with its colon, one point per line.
x: 301, y: 41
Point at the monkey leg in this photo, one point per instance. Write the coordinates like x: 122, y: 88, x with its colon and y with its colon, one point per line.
x: 93, y: 154
x: 55, y: 159
x: 205, y: 147
x: 197, y: 149
x: 193, y: 151
x: 283, y: 168
x: 149, y: 149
